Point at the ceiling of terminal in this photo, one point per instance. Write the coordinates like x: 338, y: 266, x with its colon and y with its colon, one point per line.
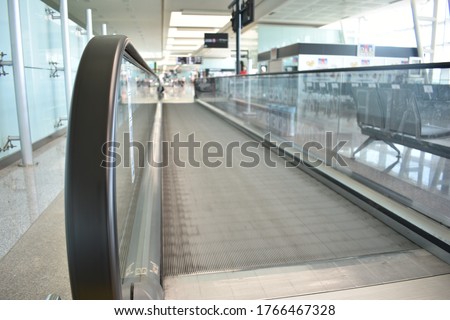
x: 157, y: 27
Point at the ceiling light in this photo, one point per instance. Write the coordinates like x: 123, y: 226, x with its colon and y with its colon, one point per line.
x: 185, y: 41
x: 191, y: 33
x: 181, y: 48
x: 181, y: 19
x: 205, y: 12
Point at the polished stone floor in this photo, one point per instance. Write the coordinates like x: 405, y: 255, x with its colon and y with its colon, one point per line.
x: 33, y: 259
x: 27, y: 191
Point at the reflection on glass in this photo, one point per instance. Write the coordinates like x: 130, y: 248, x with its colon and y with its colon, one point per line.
x: 134, y: 112
x: 42, y: 56
x: 395, y: 123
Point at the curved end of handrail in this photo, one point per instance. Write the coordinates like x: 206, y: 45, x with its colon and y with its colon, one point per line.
x: 89, y: 187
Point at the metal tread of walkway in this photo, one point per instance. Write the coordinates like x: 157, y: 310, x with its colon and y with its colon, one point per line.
x: 226, y: 219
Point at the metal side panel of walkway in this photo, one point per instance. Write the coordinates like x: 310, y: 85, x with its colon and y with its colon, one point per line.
x: 278, y: 228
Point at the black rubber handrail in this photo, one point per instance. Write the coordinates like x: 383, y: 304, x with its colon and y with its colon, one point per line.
x: 92, y: 243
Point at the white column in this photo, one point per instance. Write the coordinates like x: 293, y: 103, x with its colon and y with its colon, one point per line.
x: 104, y: 30
x: 90, y: 33
x: 434, y: 30
x: 417, y: 29
x: 19, y: 82
x: 64, y: 11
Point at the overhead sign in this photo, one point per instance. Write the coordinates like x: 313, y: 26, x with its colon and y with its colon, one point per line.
x: 247, y: 15
x: 216, y: 40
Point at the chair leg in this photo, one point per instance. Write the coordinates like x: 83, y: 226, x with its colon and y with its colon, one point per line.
x: 393, y: 147
x: 363, y: 145
x: 370, y: 140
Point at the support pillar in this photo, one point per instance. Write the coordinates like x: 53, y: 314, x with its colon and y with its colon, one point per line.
x: 19, y: 82
x: 90, y: 33
x: 64, y: 11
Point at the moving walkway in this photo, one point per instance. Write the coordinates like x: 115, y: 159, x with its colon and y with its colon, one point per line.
x: 155, y: 191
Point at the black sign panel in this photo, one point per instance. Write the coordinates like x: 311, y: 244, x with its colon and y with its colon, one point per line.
x: 216, y: 40
x: 247, y: 15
